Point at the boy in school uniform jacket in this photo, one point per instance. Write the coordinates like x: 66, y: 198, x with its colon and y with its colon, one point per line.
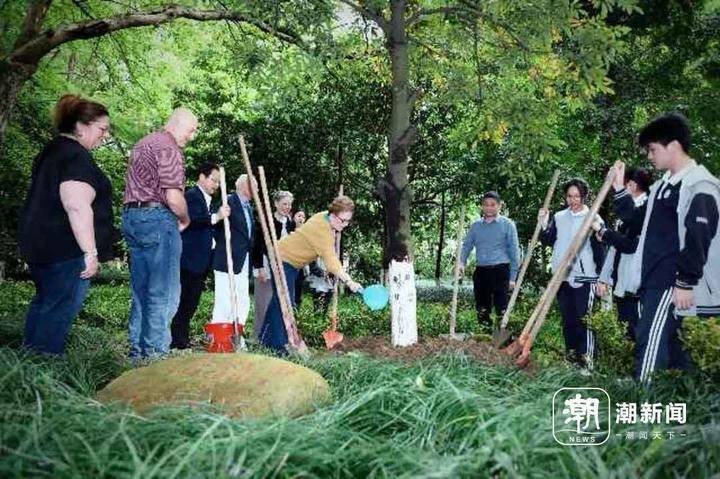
x: 677, y: 262
x: 630, y: 203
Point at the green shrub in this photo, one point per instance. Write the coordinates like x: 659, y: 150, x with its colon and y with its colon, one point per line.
x: 432, y: 291
x: 356, y: 320
x: 14, y: 301
x: 702, y: 339
x: 113, y: 272
x: 615, y: 351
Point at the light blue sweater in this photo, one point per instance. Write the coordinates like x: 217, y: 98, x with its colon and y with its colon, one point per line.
x: 495, y: 242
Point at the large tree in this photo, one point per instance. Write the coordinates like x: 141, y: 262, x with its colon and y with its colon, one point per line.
x: 573, y: 35
x: 34, y: 41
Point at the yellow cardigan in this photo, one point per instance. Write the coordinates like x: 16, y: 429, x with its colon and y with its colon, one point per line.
x: 314, y: 238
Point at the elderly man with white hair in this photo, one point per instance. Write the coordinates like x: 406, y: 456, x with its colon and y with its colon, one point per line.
x: 154, y: 214
x: 241, y: 240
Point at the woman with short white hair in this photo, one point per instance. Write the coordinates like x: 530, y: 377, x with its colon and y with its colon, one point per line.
x: 284, y: 225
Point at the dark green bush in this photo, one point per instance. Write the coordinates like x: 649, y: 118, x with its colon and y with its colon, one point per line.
x: 702, y: 339
x: 615, y: 350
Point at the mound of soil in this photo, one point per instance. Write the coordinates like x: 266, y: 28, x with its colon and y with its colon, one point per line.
x: 244, y: 385
x: 380, y: 347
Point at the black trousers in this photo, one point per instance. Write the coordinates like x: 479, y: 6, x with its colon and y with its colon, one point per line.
x: 299, y: 288
x: 627, y: 311
x: 575, y: 304
x: 191, y: 287
x: 490, y: 286
x: 659, y: 346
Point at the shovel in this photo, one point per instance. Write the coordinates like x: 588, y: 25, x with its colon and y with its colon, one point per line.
x: 502, y: 335
x: 332, y: 336
x: 524, y: 343
x: 456, y: 280
x: 295, y: 341
x: 238, y: 338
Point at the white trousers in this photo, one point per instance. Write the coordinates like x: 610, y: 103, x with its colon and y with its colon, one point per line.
x: 222, y: 312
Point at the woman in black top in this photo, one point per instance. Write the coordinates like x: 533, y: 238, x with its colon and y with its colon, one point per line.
x: 66, y: 224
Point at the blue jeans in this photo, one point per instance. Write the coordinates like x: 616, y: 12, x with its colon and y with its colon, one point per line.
x: 59, y: 296
x: 273, y: 334
x: 154, y: 241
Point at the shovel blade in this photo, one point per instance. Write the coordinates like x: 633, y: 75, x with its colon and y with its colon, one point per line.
x: 239, y: 344
x: 332, y: 338
x: 514, y: 348
x: 523, y: 361
x: 500, y: 337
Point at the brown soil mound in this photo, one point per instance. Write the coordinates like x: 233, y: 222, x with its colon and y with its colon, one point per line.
x: 380, y: 347
x: 245, y: 385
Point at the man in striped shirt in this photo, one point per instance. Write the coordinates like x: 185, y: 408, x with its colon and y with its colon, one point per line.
x: 154, y: 214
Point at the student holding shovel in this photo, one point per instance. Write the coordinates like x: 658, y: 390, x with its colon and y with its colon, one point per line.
x: 315, y: 238
x: 577, y: 292
x: 495, y: 240
x: 630, y: 201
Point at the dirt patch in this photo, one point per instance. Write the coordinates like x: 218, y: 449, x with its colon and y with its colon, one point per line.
x: 380, y: 347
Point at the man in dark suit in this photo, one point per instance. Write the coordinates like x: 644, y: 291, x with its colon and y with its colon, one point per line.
x: 241, y: 240
x: 197, y: 249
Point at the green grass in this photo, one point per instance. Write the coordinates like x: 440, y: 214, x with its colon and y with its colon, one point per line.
x: 442, y: 417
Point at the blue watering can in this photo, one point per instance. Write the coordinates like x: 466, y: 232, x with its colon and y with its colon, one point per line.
x: 376, y: 296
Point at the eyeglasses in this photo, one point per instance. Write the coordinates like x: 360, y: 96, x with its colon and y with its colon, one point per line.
x: 344, y: 221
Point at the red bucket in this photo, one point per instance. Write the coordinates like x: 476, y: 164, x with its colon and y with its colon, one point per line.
x: 219, y: 336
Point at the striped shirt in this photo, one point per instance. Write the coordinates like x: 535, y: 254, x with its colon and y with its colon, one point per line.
x: 156, y: 164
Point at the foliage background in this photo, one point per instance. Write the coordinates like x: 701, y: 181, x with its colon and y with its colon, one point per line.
x: 488, y: 117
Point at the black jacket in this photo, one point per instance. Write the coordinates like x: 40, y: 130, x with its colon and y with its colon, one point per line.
x: 241, y: 239
x: 259, y: 250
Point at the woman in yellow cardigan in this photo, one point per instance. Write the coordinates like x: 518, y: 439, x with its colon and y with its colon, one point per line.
x: 315, y: 238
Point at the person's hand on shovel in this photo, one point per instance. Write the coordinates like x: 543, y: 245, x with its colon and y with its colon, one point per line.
x: 261, y: 275
x: 619, y: 181
x: 543, y: 217
x: 223, y: 212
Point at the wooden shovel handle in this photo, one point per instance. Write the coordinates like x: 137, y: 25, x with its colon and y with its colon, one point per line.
x: 334, y: 305
x: 456, y: 272
x: 528, y: 254
x: 228, y: 255
x: 558, y: 277
x: 281, y: 279
x: 288, y: 319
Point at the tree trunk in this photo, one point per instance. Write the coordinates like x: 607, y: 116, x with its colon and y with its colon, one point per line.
x: 397, y: 192
x: 441, y: 241
x: 12, y: 78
